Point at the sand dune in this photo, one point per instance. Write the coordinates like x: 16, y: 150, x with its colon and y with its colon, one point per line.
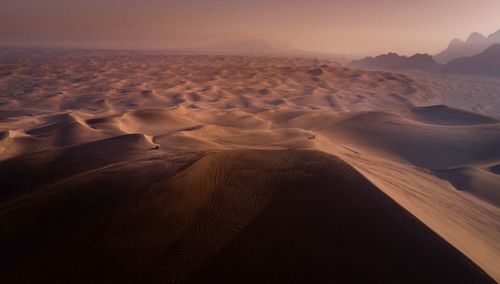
x: 437, y: 142
x: 278, y: 208
x: 119, y: 83
x: 495, y: 169
x: 443, y: 115
x: 151, y: 121
x: 478, y: 182
x: 148, y: 167
x: 40, y: 169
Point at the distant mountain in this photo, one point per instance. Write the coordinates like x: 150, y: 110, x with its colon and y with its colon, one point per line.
x: 474, y: 45
x: 261, y: 47
x: 495, y: 37
x: 393, y: 61
x: 249, y: 46
x: 486, y: 63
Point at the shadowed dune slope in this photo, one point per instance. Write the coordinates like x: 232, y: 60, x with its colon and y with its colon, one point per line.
x: 445, y: 115
x: 242, y: 216
x: 495, y: 169
x: 31, y: 171
x: 481, y: 183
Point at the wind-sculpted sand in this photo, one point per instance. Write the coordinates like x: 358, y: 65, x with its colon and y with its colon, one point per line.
x: 146, y: 167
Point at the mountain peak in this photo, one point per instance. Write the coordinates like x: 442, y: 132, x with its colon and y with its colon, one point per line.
x: 494, y: 37
x: 456, y: 42
x: 420, y: 55
x: 476, y: 38
x: 485, y: 63
x: 393, y: 61
x: 474, y: 45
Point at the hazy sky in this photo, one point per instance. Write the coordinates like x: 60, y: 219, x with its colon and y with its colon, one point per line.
x: 343, y: 26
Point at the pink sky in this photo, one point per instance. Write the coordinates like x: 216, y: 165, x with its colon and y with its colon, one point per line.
x: 349, y: 27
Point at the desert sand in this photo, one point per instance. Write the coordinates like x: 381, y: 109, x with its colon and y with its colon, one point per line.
x: 148, y: 167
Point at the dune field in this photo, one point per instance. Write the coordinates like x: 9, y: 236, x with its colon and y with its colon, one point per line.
x: 148, y: 167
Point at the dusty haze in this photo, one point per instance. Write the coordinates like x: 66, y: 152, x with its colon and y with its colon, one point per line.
x: 340, y: 26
